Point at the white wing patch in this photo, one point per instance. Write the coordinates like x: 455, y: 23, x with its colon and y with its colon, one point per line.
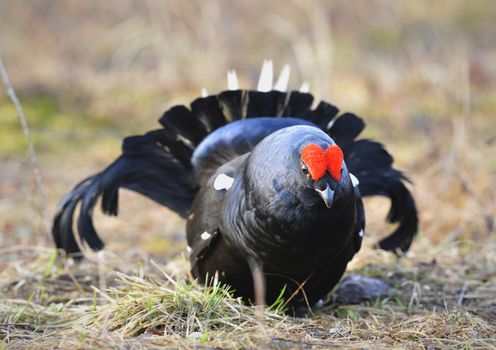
x: 223, y: 182
x: 282, y: 82
x: 232, y: 80
x: 266, y: 77
x: 205, y: 235
x: 354, y: 180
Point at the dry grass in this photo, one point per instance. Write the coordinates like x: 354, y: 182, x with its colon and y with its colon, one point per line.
x: 443, y: 298
x: 89, y: 73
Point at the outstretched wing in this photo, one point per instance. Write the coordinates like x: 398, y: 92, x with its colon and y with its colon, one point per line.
x: 154, y: 165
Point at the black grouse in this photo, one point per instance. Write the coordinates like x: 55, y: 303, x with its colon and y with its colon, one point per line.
x: 263, y: 180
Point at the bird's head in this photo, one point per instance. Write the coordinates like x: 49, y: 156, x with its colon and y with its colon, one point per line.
x: 299, y: 166
x: 322, y: 167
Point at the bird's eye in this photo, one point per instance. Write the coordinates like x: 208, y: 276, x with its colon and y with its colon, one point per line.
x: 304, y: 169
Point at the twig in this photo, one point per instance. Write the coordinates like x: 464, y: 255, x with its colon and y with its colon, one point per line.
x: 74, y: 280
x: 32, y: 154
x: 102, y: 275
x: 462, y: 294
x: 300, y: 288
x: 416, y: 295
x: 103, y: 294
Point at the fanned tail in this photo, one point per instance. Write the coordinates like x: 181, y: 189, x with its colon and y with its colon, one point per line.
x: 161, y: 164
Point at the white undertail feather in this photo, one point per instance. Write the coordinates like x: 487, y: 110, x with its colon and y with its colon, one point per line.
x: 305, y: 87
x: 266, y: 77
x: 204, y: 92
x: 282, y: 82
x: 232, y: 80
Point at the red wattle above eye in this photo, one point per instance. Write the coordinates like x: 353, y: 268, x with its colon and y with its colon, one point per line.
x: 315, y: 159
x: 334, y: 157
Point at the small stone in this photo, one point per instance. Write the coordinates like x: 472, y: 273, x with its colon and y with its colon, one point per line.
x: 355, y: 288
x: 337, y: 331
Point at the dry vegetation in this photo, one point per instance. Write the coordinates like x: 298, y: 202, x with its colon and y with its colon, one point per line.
x: 89, y: 73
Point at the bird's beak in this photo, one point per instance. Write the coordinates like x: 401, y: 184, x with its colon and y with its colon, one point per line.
x: 327, y: 195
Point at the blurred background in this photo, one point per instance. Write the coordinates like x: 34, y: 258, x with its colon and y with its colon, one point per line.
x: 88, y: 73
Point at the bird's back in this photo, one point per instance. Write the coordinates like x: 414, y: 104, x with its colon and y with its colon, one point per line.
x: 235, y: 139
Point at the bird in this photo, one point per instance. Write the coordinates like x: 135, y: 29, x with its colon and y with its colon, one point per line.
x: 269, y: 186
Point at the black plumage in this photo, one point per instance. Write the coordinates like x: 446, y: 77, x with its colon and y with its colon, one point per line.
x: 232, y: 165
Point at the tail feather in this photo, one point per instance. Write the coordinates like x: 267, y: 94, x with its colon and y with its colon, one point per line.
x: 323, y: 115
x: 233, y: 104
x: 262, y: 104
x: 346, y: 129
x: 182, y: 121
x: 208, y: 111
x: 299, y: 105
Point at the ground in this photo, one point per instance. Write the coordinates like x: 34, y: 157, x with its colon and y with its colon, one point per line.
x: 422, y: 76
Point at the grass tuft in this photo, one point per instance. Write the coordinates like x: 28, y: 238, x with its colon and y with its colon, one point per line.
x: 170, y: 307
